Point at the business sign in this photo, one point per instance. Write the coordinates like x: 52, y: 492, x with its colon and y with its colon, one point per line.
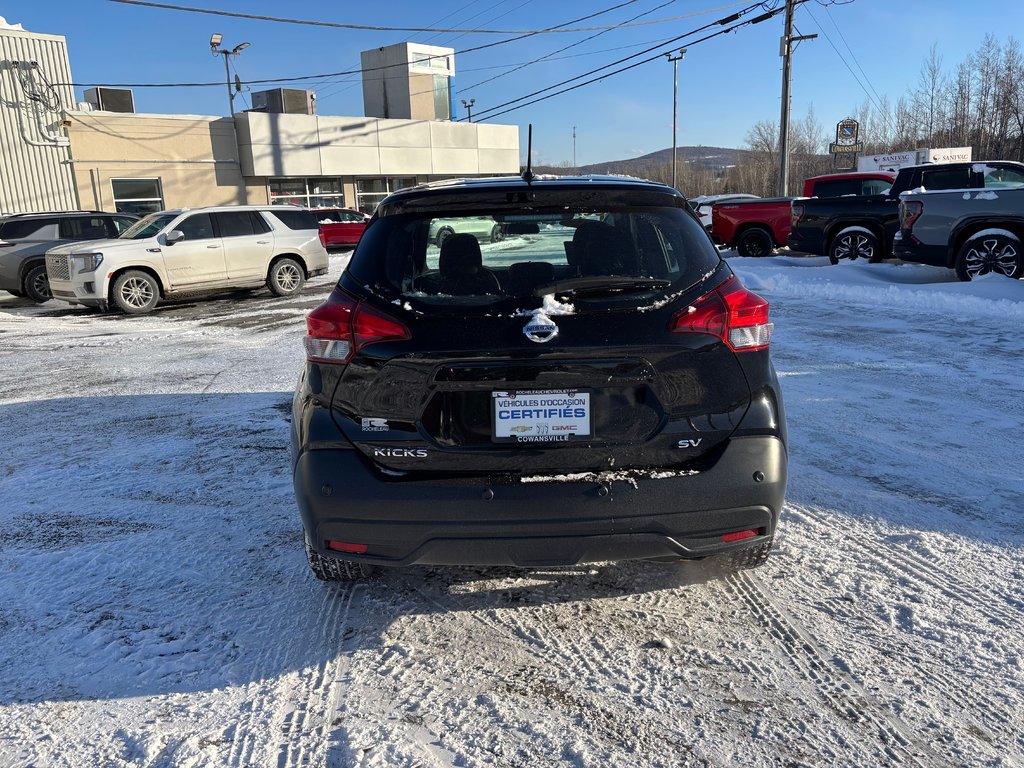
x: 893, y: 161
x: 951, y: 155
x: 847, y: 138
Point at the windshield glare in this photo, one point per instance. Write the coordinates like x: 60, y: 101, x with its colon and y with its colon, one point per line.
x: 147, y: 227
x: 465, y: 258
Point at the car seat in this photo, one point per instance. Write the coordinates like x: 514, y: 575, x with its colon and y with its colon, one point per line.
x: 461, y: 271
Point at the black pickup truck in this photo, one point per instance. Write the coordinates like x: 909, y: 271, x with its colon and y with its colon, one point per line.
x: 863, y: 226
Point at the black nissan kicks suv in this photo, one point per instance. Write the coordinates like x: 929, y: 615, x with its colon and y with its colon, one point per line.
x: 594, y: 385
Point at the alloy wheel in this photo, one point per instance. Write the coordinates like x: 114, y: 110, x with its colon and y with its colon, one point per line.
x: 137, y: 292
x: 991, y: 255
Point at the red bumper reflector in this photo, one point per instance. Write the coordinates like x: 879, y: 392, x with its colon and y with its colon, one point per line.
x: 347, y: 546
x: 738, y: 535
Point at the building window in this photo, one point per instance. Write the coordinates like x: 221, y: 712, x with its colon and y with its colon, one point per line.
x: 371, y: 191
x: 307, y: 193
x: 442, y: 99
x: 139, y: 196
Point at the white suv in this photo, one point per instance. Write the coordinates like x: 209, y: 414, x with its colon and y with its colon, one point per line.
x: 190, y: 251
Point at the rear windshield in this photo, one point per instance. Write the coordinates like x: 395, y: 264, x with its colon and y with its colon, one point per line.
x: 297, y: 219
x: 441, y: 258
x: 17, y: 229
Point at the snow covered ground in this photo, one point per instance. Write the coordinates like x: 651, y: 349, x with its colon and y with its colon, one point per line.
x: 156, y: 609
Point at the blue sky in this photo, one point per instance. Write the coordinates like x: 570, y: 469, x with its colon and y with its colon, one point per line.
x: 726, y: 84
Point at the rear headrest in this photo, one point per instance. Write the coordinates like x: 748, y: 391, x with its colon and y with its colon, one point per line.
x: 460, y: 255
x: 531, y: 273
x: 601, y: 249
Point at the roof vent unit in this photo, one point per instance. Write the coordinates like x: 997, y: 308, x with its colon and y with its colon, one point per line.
x: 111, y: 99
x: 292, y: 101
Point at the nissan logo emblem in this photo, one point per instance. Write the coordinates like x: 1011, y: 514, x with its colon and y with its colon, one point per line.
x: 540, y: 328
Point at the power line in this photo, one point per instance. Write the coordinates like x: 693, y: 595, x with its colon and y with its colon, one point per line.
x: 328, y: 75
x: 373, y: 28
x: 658, y: 55
x: 852, y: 54
x: 560, y: 50
x: 877, y: 105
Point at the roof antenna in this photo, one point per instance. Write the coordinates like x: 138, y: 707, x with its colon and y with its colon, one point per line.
x: 528, y: 173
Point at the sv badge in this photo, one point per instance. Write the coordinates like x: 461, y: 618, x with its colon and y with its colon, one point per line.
x: 689, y: 443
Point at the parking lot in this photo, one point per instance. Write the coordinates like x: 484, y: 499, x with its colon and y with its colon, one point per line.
x: 156, y: 608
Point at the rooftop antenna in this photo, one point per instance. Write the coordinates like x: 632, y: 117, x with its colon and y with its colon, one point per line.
x: 528, y: 173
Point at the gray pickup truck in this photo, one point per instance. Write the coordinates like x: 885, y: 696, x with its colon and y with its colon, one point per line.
x: 971, y: 231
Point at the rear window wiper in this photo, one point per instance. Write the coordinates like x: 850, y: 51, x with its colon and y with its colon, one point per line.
x: 601, y: 284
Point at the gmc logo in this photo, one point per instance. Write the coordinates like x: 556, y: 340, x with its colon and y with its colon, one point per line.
x: 400, y: 453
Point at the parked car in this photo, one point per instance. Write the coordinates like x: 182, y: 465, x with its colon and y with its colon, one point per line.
x: 757, y: 227
x: 607, y: 395
x: 864, y: 226
x: 483, y: 228
x: 972, y: 232
x: 703, y: 204
x: 340, y: 227
x: 26, y: 237
x: 196, y: 250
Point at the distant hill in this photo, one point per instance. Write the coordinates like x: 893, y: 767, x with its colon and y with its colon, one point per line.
x: 714, y: 158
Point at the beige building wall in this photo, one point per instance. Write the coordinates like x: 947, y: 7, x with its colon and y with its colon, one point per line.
x: 195, y: 158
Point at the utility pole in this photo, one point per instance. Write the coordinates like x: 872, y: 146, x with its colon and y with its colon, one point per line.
x: 469, y: 108
x: 675, y: 100
x: 786, y: 52
x: 215, y: 40
x: 574, y: 146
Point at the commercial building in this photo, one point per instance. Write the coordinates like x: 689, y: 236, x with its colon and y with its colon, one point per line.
x: 60, y: 155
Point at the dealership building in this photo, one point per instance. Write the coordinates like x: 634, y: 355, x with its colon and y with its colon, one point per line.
x: 60, y: 154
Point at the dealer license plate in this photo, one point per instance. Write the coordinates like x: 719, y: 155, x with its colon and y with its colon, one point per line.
x: 541, y: 416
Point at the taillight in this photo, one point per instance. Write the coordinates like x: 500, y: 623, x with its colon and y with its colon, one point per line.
x: 910, y: 211
x: 323, y: 237
x: 732, y: 313
x: 342, y: 325
x: 796, y: 213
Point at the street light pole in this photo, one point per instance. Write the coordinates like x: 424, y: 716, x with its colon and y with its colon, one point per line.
x: 469, y: 108
x: 215, y: 40
x: 675, y: 100
x: 574, y: 146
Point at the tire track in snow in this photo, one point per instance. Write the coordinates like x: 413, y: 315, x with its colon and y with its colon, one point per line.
x: 601, y: 711
x: 976, y: 707
x: 264, y: 694
x: 931, y: 574
x: 839, y: 690
x: 306, y: 728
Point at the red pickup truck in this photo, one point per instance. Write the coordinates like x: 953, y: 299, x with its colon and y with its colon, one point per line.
x: 757, y: 227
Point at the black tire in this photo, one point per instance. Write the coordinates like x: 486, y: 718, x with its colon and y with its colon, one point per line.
x: 19, y: 294
x: 750, y: 557
x: 333, y: 569
x: 135, y: 292
x: 981, y: 254
x: 36, y: 285
x: 855, y: 244
x: 497, y: 233
x: 286, y: 277
x: 443, y: 234
x: 755, y: 241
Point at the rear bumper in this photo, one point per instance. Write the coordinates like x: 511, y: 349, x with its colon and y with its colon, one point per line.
x: 919, y: 253
x: 804, y: 242
x: 553, y: 522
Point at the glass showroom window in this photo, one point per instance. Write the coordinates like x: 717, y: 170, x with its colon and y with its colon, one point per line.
x: 307, y: 193
x: 371, y: 191
x: 140, y: 196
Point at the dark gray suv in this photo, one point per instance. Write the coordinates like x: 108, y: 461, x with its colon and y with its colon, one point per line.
x: 26, y: 237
